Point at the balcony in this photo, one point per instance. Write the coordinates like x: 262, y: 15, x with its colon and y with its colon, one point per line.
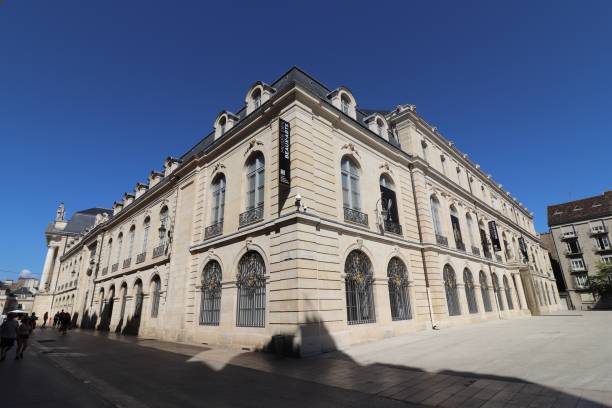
x: 251, y: 216
x: 127, y: 263
x: 115, y: 267
x: 104, y: 270
x: 159, y: 250
x: 572, y: 252
x: 476, y: 251
x: 568, y: 235
x: 577, y: 269
x: 487, y: 254
x: 498, y: 258
x: 604, y: 248
x: 355, y: 217
x: 213, y: 230
x: 460, y: 246
x: 442, y: 240
x: 393, y: 227
x: 140, y: 258
x: 600, y: 229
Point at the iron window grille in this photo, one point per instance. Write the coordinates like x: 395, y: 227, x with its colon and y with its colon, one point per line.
x: 476, y: 251
x: 484, y: 292
x: 398, y: 290
x: 156, y: 297
x: 127, y: 263
x: 159, y: 250
x: 138, y: 300
x: 441, y: 240
x: 251, y: 216
x: 115, y: 267
x: 470, y: 294
x: 359, y: 293
x: 214, y: 230
x: 393, y: 227
x: 508, y: 291
x: 211, y: 294
x: 251, y: 282
x: 497, y: 291
x: 140, y: 258
x: 450, y: 286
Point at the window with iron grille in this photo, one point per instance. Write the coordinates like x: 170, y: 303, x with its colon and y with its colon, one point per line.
x: 516, y: 289
x: 497, y: 291
x: 450, y: 286
x: 351, y: 194
x: 218, y: 199
x: 358, y: 284
x: 508, y: 291
x: 255, y: 169
x: 398, y: 290
x: 470, y: 294
x: 251, y: 282
x: 156, y: 296
x: 484, y: 291
x: 138, y: 298
x: 211, y: 294
x: 123, y: 301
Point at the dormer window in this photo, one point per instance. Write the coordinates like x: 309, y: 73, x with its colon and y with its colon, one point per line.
x: 222, y: 124
x: 380, y: 127
x: 256, y: 98
x: 225, y: 121
x: 345, y: 104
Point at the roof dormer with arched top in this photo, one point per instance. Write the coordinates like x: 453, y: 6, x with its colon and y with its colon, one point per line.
x: 378, y: 124
x: 342, y: 98
x: 258, y: 94
x: 225, y: 121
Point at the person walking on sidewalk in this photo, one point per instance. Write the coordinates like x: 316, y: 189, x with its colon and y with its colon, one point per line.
x: 45, y: 317
x: 23, y: 334
x: 56, y: 319
x: 8, y: 334
x: 64, y: 322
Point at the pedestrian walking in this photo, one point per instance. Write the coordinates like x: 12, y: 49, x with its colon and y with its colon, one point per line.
x: 8, y: 334
x: 45, y: 317
x: 64, y: 322
x: 23, y: 334
x: 56, y: 319
x: 33, y: 319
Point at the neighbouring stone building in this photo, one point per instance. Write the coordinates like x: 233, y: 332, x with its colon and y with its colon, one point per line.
x: 579, y: 237
x: 303, y: 215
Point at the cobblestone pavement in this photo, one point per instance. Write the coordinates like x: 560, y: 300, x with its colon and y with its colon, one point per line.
x: 128, y: 371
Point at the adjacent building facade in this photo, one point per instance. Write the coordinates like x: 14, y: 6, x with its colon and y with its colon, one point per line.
x: 579, y: 231
x: 305, y: 216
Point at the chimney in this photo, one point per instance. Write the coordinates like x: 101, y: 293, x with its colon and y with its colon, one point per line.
x: 170, y: 165
x: 140, y: 189
x: 155, y: 177
x: 127, y: 199
x: 117, y: 206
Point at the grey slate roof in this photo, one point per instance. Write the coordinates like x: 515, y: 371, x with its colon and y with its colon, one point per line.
x: 581, y: 210
x: 80, y: 221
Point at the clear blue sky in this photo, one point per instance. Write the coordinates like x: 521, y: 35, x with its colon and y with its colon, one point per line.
x: 93, y: 95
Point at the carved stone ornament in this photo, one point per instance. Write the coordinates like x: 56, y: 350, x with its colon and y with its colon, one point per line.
x: 385, y: 167
x: 252, y: 143
x: 217, y: 167
x: 248, y: 243
x: 359, y: 244
x: 351, y: 148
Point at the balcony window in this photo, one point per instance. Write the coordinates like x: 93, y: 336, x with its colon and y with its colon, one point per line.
x: 388, y: 203
x: 602, y: 243
x: 577, y: 264
x: 255, y: 173
x: 351, y: 195
x: 456, y: 228
x: 345, y: 104
x: 582, y: 280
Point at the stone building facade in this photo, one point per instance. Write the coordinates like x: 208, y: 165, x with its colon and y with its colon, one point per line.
x: 306, y: 216
x: 580, y: 234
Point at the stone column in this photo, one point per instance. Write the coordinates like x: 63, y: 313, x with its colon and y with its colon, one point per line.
x: 47, y: 268
x: 463, y: 304
x: 502, y: 291
x: 520, y: 291
x: 479, y: 299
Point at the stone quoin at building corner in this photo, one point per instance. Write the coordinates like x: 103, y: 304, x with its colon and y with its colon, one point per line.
x: 305, y: 215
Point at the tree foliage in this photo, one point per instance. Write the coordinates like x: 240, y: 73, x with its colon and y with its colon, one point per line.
x: 601, y: 282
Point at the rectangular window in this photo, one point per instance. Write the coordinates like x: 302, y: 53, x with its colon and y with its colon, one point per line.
x: 568, y: 231
x: 597, y: 227
x: 607, y: 259
x: 581, y: 280
x: 602, y: 242
x: 577, y: 264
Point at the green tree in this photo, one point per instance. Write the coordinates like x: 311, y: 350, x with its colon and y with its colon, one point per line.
x: 601, y: 282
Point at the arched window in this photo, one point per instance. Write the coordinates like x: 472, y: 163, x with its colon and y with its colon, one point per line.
x: 552, y: 288
x: 468, y: 283
x: 358, y: 284
x: 256, y: 98
x: 345, y: 104
x: 437, y: 222
x: 108, y: 256
x: 255, y: 172
x: 484, y: 291
x: 218, y: 199
x: 163, y: 225
x: 123, y: 300
x: 508, y: 291
x: 145, y: 237
x: 119, y: 245
x: 497, y: 291
x: 470, y: 229
x: 450, y: 286
x: 351, y: 195
x: 222, y: 124
x: 398, y: 289
x: 484, y: 241
x: 138, y: 298
x: 539, y: 293
x: 101, y: 302
x: 516, y: 290
x: 211, y: 294
x: 388, y: 202
x: 380, y: 128
x: 456, y: 228
x: 156, y: 296
x: 251, y: 282
x: 131, y: 236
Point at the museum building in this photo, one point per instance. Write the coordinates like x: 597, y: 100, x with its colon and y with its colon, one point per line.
x: 303, y: 215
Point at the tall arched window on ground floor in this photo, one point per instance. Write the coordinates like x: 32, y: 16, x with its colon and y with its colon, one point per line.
x: 358, y: 284
x: 210, y: 304
x: 516, y: 290
x: 156, y: 283
x: 470, y: 294
x: 251, y: 282
x: 398, y: 289
x: 508, y: 291
x: 450, y: 286
x: 484, y: 292
x: 138, y: 299
x: 496, y: 289
x: 123, y: 300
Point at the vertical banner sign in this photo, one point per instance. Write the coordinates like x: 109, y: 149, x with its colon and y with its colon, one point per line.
x: 284, y: 152
x: 494, y: 236
x: 523, y: 247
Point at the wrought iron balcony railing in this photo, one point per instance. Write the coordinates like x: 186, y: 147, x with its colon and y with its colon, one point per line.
x: 127, y: 262
x: 393, y: 227
x: 600, y: 229
x: 356, y: 217
x: 213, y: 230
x: 140, y: 258
x: 577, y: 269
x: 442, y: 240
x: 251, y: 216
x: 603, y: 248
x: 115, y: 267
x: 568, y: 235
x: 460, y: 246
x: 476, y: 251
x: 104, y: 270
x: 488, y: 255
x: 159, y: 250
x: 498, y: 258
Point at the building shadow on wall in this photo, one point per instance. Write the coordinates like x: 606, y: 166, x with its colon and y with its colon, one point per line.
x: 89, y: 322
x: 132, y: 326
